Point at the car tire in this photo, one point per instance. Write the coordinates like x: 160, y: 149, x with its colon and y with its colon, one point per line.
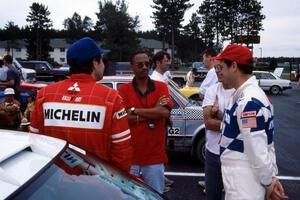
x: 275, y: 90
x: 200, y: 150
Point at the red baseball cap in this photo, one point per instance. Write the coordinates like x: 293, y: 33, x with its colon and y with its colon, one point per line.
x: 238, y: 53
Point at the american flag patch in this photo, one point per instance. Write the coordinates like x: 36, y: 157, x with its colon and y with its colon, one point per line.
x: 248, y: 114
x: 249, y: 122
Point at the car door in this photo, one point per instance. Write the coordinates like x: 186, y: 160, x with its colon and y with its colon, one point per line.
x: 267, y: 81
x: 177, y: 133
x: 43, y: 72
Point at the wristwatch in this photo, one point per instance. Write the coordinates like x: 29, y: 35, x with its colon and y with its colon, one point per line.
x: 132, y: 110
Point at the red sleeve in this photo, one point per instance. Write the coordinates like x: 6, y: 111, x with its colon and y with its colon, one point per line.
x: 123, y: 91
x: 121, y: 149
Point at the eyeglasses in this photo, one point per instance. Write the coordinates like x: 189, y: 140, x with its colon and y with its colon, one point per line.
x: 140, y: 65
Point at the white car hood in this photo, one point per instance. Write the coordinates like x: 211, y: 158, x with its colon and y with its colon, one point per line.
x: 22, y: 155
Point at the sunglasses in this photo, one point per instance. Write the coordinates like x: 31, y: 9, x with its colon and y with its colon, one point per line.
x: 140, y: 65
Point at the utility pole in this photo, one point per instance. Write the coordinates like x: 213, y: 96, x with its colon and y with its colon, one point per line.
x: 260, y: 52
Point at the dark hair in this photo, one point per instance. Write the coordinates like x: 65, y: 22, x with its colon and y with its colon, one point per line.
x: 194, y: 69
x: 8, y: 59
x: 210, y: 52
x: 136, y: 53
x: 83, y: 68
x: 159, y: 56
x: 245, y: 69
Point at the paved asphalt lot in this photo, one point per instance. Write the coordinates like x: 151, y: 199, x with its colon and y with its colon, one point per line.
x: 287, y: 144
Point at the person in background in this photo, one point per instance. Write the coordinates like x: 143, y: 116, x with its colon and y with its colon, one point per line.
x: 3, y: 71
x: 211, y: 76
x: 190, y: 77
x: 247, y: 149
x: 87, y: 114
x: 161, y: 62
x: 148, y: 106
x: 10, y: 114
x: 13, y: 77
x: 210, y: 79
x: 25, y: 122
x: 215, y: 100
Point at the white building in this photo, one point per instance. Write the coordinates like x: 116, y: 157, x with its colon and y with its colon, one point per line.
x: 60, y: 47
x: 19, y: 51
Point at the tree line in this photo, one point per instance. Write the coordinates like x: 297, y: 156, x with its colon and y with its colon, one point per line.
x: 214, y: 21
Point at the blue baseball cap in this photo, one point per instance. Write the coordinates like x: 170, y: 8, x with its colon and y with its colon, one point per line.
x: 84, y: 49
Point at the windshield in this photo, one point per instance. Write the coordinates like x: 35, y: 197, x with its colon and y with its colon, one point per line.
x: 108, y: 183
x: 174, y: 88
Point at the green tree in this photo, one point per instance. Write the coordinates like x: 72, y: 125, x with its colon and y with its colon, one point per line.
x: 191, y: 42
x: 224, y: 19
x: 118, y: 28
x: 76, y: 27
x: 273, y: 64
x: 12, y: 32
x: 168, y: 16
x: 39, y: 24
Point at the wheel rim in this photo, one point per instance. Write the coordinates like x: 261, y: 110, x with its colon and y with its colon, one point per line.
x: 275, y: 90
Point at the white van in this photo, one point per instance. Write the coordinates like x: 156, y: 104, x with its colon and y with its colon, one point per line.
x: 28, y: 75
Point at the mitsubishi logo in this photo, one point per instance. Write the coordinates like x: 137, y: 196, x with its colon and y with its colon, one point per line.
x: 74, y: 89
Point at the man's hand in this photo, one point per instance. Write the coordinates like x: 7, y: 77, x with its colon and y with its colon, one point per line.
x: 162, y: 101
x: 215, y: 108
x: 275, y: 191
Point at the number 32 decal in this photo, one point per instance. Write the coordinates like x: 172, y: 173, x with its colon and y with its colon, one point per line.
x: 173, y: 131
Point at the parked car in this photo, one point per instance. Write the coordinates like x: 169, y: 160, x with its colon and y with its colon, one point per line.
x: 272, y: 82
x: 45, y: 71
x: 188, y: 131
x: 28, y: 171
x: 188, y: 92
x: 27, y: 75
x: 201, y: 70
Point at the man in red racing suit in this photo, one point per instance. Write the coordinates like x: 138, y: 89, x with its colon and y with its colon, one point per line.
x: 83, y: 112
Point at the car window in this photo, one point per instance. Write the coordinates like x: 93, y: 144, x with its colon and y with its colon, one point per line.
x: 40, y: 66
x: 28, y: 65
x: 118, y: 85
x: 267, y: 76
x: 109, y: 183
x: 175, y: 104
x: 107, y: 84
x: 257, y: 75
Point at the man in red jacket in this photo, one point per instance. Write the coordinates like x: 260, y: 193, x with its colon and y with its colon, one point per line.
x: 148, y: 106
x: 83, y: 112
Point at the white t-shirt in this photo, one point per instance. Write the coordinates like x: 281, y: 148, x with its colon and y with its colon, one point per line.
x: 167, y: 75
x: 158, y: 77
x: 214, y: 91
x: 210, y: 79
x: 3, y: 73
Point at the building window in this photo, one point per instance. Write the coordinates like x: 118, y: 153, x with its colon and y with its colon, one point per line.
x: 62, y: 59
x: 62, y: 49
x: 18, y: 49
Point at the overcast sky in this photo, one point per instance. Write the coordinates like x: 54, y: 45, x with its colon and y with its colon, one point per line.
x: 281, y: 35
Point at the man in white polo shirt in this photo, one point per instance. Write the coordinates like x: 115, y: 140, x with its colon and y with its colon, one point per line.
x: 161, y: 62
x: 211, y: 77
